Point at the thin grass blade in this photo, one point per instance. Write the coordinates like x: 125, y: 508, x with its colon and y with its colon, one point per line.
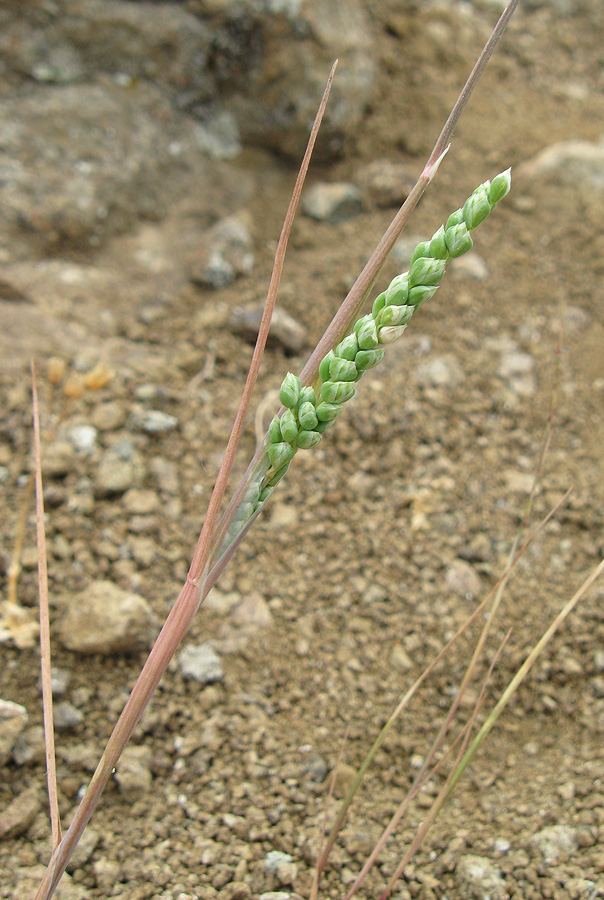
x: 49, y: 737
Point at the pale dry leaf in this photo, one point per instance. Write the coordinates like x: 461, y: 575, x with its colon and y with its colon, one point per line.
x: 19, y: 625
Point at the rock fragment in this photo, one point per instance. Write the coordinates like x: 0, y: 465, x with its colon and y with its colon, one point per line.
x: 16, y: 818
x: 285, y: 331
x: 229, y: 253
x: 333, y: 203
x: 13, y: 719
x: 133, y: 773
x: 463, y: 580
x: 106, y: 619
x: 201, y: 663
x: 479, y: 879
x: 554, y: 843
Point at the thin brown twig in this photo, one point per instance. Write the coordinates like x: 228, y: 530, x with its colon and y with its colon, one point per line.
x: 49, y: 738
x: 405, y: 700
x: 320, y: 855
x: 444, y: 793
x: 192, y: 592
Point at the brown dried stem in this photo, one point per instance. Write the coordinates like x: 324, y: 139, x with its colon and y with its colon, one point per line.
x: 49, y: 738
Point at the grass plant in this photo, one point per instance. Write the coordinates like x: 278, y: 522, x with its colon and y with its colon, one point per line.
x: 311, y: 402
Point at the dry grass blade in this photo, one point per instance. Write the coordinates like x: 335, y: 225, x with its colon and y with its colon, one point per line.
x: 407, y: 697
x: 444, y: 793
x: 192, y: 592
x: 320, y: 853
x: 522, y: 673
x: 49, y: 739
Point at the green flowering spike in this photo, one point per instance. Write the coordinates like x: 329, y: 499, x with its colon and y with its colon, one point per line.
x: 366, y: 333
x: 289, y: 426
x: 348, y: 348
x: 324, y: 366
x: 290, y: 391
x: 426, y: 271
x: 420, y: 294
x: 379, y: 303
x: 274, y: 431
x: 328, y: 412
x: 393, y: 315
x: 276, y: 478
x: 477, y: 207
x: 342, y: 370
x: 308, y: 439
x: 307, y: 416
x: 337, y: 391
x: 500, y: 186
x: 307, y: 395
x: 367, y: 359
x: 438, y: 244
x: 459, y: 240
x: 391, y: 334
x: 398, y: 290
x: 280, y: 454
x: 422, y: 249
x: 455, y: 218
x: 305, y: 420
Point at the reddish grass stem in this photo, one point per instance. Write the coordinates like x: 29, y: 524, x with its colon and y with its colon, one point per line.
x: 49, y: 737
x: 194, y: 589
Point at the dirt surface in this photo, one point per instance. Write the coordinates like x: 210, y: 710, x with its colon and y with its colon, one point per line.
x: 378, y: 544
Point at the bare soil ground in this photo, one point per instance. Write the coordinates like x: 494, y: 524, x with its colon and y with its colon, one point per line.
x: 357, y: 556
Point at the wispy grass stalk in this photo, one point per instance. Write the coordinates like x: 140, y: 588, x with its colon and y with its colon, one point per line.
x: 49, y: 740
x: 323, y: 855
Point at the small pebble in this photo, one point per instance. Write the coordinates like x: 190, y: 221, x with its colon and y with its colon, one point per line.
x: 385, y: 182
x: 154, y: 421
x: 471, y: 265
x: 252, y: 613
x: 106, y: 619
x: 113, y: 475
x: 285, y: 331
x: 333, y: 203
x: 108, y: 416
x: 201, y: 663
x: 133, y: 773
x: 13, y: 719
x: 463, y: 580
x: 400, y: 659
x: 140, y: 502
x: 59, y: 681
x: 517, y: 369
x: 83, y: 437
x: 165, y: 474
x: 66, y: 717
x: 275, y: 858
x: 554, y: 843
x: 440, y: 371
x: 16, y: 818
x: 30, y: 747
x: 58, y: 460
x: 228, y: 256
x: 479, y: 879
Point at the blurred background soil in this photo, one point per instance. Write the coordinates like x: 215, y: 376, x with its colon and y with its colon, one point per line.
x: 147, y: 152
